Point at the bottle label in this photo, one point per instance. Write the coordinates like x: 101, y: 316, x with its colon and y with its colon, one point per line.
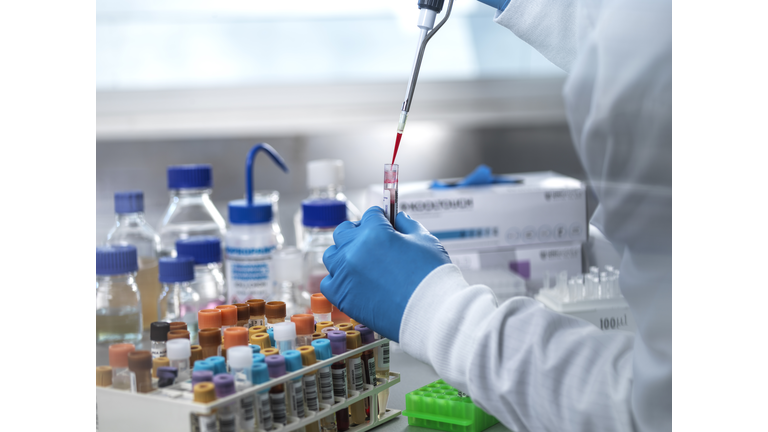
x: 227, y: 422
x: 265, y: 412
x: 310, y: 389
x: 355, y: 373
x: 277, y: 404
x: 372, y: 371
x: 339, y: 382
x: 159, y: 352
x: 249, y: 273
x: 326, y: 385
x: 382, y: 361
x: 297, y: 399
x: 206, y: 423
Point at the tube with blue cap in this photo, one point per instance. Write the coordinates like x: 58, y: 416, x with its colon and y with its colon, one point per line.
x: 295, y: 387
x: 251, y: 238
x: 323, y: 352
x: 260, y: 375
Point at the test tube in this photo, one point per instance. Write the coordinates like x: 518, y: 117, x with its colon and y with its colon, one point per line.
x: 240, y: 360
x: 204, y: 365
x: 277, y: 395
x: 103, y: 376
x: 118, y: 360
x: 390, y: 192
x: 295, y: 386
x: 228, y: 316
x: 382, y: 372
x: 270, y: 352
x: 369, y: 361
x: 256, y: 330
x: 355, y: 376
x: 140, y: 365
x: 321, y: 326
x: 275, y: 312
x: 179, y: 351
x: 262, y: 340
x: 255, y: 349
x: 258, y: 358
x: 322, y: 309
x: 319, y: 335
x: 225, y: 386
x: 257, y: 312
x: 305, y: 326
x: 196, y: 353
x: 260, y: 375
x: 205, y: 392
x: 345, y: 327
x: 311, y: 387
x: 339, y: 375
x: 210, y: 341
x: 209, y: 318
x: 235, y: 336
x: 285, y: 336
x: 325, y: 381
x: 243, y: 314
x: 158, y: 363
x: 158, y: 334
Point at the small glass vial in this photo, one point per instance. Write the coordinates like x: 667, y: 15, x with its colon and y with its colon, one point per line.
x: 118, y: 361
x: 179, y: 302
x: 209, y: 272
x: 179, y: 351
x: 285, y: 336
x: 321, y: 217
x: 305, y: 326
x: 275, y: 312
x: 158, y: 334
x: 297, y: 402
x: 240, y: 360
x: 140, y: 365
x: 322, y: 309
x: 118, y: 303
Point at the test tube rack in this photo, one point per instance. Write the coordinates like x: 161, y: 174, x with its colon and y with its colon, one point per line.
x: 172, y: 409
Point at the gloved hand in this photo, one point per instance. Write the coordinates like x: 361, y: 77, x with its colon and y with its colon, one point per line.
x: 375, y: 269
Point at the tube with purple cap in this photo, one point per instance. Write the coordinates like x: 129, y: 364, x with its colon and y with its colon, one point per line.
x: 339, y: 375
x: 369, y: 362
x: 278, y: 398
x: 225, y: 386
x: 166, y: 376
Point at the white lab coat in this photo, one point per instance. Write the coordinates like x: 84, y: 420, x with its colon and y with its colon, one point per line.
x: 536, y: 370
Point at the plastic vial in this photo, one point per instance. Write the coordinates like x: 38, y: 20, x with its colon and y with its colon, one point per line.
x: 140, y: 365
x: 243, y: 314
x: 235, y: 337
x: 278, y: 398
x: 321, y: 217
x: 275, y: 312
x: 382, y: 373
x: 287, y: 270
x: 325, y: 179
x: 204, y: 392
x: 305, y: 326
x: 325, y: 382
x: 262, y: 340
x: 131, y: 228
x: 355, y: 373
x: 118, y: 361
x: 325, y: 326
x: 179, y: 302
x: 158, y: 334
x: 260, y: 375
x: 225, y: 386
x: 338, y: 341
x: 209, y: 320
x: 190, y: 212
x: 257, y: 312
x: 322, y: 309
x: 311, y: 385
x: 209, y: 274
x: 118, y: 303
x: 369, y: 362
x: 297, y: 403
x: 250, y: 243
x: 179, y: 351
x: 390, y: 198
x: 240, y: 362
x: 219, y: 364
x: 166, y: 376
x: 228, y: 316
x: 285, y: 336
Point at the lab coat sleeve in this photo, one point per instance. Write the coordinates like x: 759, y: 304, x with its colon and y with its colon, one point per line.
x: 531, y: 368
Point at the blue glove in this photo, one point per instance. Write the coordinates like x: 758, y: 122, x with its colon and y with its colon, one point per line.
x: 375, y: 269
x: 480, y: 176
x: 498, y: 4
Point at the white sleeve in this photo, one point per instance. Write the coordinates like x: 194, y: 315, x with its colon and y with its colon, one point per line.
x: 531, y: 368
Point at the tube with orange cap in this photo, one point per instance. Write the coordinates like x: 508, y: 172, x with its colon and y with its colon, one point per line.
x: 234, y: 336
x: 209, y: 318
x: 118, y: 360
x: 210, y: 341
x: 321, y: 307
x: 140, y: 365
x: 305, y: 326
x: 257, y: 307
x: 355, y: 376
x: 243, y: 314
x: 228, y: 316
x: 275, y: 311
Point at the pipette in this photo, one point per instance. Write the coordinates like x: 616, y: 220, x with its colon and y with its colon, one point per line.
x: 428, y: 12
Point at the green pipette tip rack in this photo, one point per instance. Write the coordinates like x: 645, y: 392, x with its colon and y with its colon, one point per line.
x: 442, y: 407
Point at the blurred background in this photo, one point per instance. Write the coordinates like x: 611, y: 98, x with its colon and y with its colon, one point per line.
x: 199, y: 81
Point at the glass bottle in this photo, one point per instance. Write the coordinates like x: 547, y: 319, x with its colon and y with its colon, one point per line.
x: 190, y: 211
x: 287, y: 272
x: 320, y: 219
x: 131, y: 228
x: 325, y: 179
x: 179, y: 302
x: 209, y: 280
x: 118, y: 303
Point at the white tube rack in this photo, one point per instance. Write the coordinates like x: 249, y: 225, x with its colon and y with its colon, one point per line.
x: 172, y: 409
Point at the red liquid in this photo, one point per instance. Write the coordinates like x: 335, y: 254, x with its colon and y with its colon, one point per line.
x: 342, y: 415
x: 397, y: 146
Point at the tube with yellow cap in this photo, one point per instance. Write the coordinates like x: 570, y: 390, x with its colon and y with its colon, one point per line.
x: 205, y: 392
x: 270, y: 352
x: 262, y: 340
x: 310, y: 384
x: 325, y: 326
x: 355, y: 375
x: 256, y: 330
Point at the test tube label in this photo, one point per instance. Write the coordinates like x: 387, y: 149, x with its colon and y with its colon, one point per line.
x: 339, y: 382
x: 357, y: 373
x: 310, y: 389
x: 383, y: 357
x: 206, y: 423
x: 265, y: 413
x: 277, y: 403
x: 297, y: 399
x: 227, y: 422
x: 246, y: 405
x: 372, y: 371
x: 326, y: 385
x: 385, y: 202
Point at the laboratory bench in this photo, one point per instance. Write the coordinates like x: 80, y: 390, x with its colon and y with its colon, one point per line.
x: 413, y: 375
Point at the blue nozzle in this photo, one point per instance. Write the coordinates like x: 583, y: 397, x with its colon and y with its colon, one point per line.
x: 245, y: 211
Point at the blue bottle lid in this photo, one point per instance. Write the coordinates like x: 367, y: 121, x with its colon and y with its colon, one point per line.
x: 292, y: 360
x: 117, y: 259
x: 259, y: 373
x: 190, y: 176
x: 129, y: 202
x: 203, y: 250
x: 322, y: 349
x: 323, y: 213
x: 240, y: 212
x: 179, y: 269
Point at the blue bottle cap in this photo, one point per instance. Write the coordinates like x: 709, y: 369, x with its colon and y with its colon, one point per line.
x: 129, y: 202
x: 255, y: 348
x: 117, y: 259
x: 190, y: 176
x: 203, y: 250
x: 204, y: 365
x: 258, y: 358
x: 322, y: 349
x: 179, y: 269
x: 323, y: 213
x: 242, y: 213
x: 292, y: 360
x: 259, y: 373
x: 271, y: 334
x: 219, y: 364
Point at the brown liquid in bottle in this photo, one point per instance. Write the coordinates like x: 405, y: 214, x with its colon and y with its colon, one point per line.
x: 149, y: 290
